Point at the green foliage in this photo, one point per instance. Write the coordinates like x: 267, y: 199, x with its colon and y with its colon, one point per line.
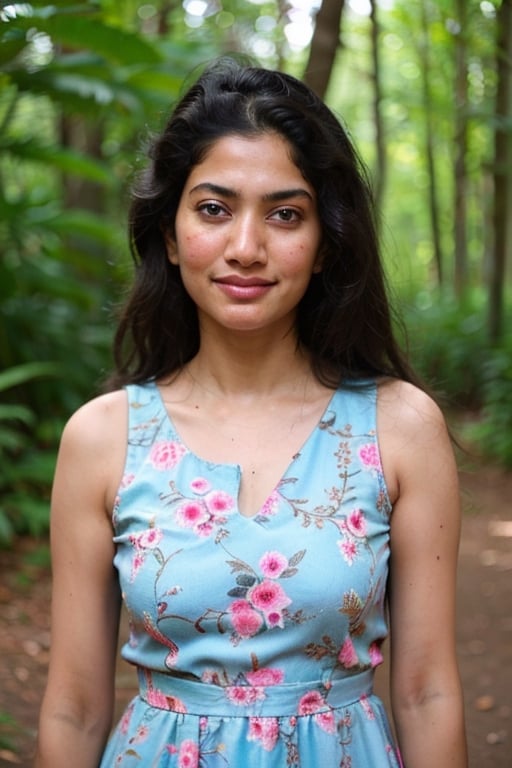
x: 27, y: 469
x: 493, y: 433
x: 450, y: 348
x: 76, y: 91
x: 9, y: 730
x: 448, y: 345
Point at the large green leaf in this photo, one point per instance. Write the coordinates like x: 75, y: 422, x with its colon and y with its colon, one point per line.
x: 11, y: 46
x: 19, y: 374
x: 79, y: 32
x: 18, y: 412
x: 67, y: 160
x: 83, y: 223
x: 77, y: 92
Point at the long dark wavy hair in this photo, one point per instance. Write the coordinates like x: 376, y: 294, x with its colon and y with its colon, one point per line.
x: 344, y: 320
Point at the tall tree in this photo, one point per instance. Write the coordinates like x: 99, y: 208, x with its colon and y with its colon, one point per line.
x: 324, y: 46
x: 502, y: 170
x: 425, y: 66
x: 461, y: 148
x: 380, y: 144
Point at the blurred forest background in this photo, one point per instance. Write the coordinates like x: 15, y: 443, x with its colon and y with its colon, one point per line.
x: 425, y: 88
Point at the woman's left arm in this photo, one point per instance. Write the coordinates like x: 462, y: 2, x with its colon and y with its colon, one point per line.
x: 421, y: 472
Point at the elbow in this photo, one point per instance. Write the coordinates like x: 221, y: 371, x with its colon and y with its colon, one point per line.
x: 65, y: 726
x: 420, y: 692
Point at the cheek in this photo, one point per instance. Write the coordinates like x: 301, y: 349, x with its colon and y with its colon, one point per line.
x: 300, y: 260
x: 195, y: 251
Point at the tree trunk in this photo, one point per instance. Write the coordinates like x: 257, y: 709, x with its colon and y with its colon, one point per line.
x: 502, y: 159
x: 461, y: 147
x: 424, y: 54
x: 85, y: 136
x: 379, y: 179
x: 324, y: 46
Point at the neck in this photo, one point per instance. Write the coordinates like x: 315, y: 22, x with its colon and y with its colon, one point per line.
x: 256, y: 366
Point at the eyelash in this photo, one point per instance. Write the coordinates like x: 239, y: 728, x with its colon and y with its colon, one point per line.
x: 204, y: 208
x: 292, y: 214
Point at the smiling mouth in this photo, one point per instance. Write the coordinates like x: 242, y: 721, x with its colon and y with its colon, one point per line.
x: 243, y: 288
x: 243, y: 282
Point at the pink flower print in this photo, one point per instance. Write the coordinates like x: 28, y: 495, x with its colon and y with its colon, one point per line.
x: 137, y: 563
x: 172, y: 658
x: 367, y: 707
x: 171, y: 749
x: 268, y: 597
x: 265, y: 676
x: 244, y: 695
x: 210, y: 677
x: 310, y: 703
x: 176, y: 705
x: 376, y: 656
x: 347, y: 655
x: 348, y: 549
x: 265, y: 730
x: 200, y: 485
x: 191, y: 514
x: 188, y: 756
x: 356, y: 523
x: 127, y: 479
x: 219, y: 502
x: 346, y: 762
x: 326, y: 721
x: 157, y: 699
x: 140, y: 735
x: 125, y: 720
x: 369, y: 456
x: 274, y: 619
x: 245, y: 620
x: 271, y: 505
x: 239, y: 606
x: 166, y: 454
x: 273, y: 564
x: 204, y: 529
x: 148, y: 539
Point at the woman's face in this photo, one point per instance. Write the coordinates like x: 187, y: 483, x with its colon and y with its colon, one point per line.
x: 247, y: 235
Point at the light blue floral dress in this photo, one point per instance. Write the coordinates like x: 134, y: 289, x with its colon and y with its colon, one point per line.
x: 255, y: 638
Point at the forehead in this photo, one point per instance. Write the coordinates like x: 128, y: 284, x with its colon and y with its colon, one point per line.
x: 249, y: 161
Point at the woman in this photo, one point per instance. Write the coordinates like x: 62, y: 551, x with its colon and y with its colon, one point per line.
x: 235, y: 476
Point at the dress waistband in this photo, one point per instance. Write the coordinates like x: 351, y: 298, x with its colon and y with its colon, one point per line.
x: 171, y: 693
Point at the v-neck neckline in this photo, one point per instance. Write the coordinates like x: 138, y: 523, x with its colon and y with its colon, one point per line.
x: 237, y: 467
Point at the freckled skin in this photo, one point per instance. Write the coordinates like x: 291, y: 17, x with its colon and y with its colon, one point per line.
x: 240, y: 217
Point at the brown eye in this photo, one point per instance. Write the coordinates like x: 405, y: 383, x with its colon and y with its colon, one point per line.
x: 287, y: 215
x: 211, y: 209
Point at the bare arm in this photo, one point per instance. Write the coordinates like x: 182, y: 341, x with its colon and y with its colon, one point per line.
x: 77, y: 707
x: 425, y: 685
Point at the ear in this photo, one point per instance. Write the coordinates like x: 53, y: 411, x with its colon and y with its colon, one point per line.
x: 171, y: 247
x: 319, y: 261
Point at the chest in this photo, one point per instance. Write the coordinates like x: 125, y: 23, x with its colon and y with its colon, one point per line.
x: 262, y: 439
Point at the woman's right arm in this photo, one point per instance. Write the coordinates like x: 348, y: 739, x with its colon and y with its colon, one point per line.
x: 76, y: 712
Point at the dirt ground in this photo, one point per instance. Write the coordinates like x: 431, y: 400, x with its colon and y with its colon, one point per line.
x: 484, y: 630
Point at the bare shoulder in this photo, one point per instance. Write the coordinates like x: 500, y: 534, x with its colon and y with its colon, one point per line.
x: 93, y: 445
x: 99, y: 420
x: 408, y: 412
x: 412, y: 431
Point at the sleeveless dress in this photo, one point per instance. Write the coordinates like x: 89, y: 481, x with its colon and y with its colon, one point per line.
x: 255, y: 639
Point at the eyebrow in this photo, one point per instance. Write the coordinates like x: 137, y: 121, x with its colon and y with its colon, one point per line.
x: 272, y: 197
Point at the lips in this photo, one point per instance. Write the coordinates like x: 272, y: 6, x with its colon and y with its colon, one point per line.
x: 237, y: 287
x: 242, y: 282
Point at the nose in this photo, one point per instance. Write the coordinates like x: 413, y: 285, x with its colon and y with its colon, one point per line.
x: 246, y: 241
